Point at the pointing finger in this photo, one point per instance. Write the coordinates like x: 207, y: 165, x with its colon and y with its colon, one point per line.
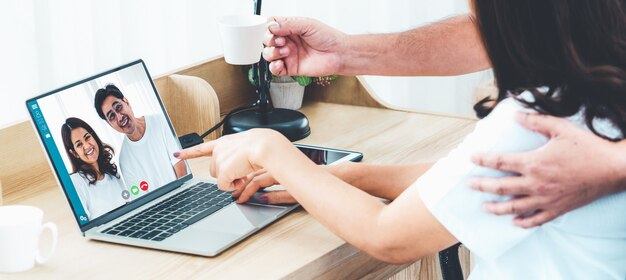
x: 204, y: 149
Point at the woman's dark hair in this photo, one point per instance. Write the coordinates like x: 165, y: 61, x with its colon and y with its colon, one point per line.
x: 105, y: 156
x: 577, y: 49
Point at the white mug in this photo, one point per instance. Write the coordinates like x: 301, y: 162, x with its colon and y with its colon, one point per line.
x: 242, y: 38
x: 20, y: 230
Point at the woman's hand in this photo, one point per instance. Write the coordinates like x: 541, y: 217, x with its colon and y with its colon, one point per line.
x: 256, y: 181
x: 234, y: 157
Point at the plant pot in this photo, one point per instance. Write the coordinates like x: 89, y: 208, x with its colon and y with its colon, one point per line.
x: 286, y: 93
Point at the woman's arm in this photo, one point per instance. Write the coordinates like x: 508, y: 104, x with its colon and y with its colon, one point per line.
x: 400, y: 232
x: 406, y: 229
x: 384, y: 181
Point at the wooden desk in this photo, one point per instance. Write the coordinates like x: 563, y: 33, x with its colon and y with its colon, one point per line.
x: 295, y: 247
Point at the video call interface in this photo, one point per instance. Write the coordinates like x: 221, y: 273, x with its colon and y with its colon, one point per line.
x: 109, y: 140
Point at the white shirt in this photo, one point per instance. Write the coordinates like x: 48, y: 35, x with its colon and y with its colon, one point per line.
x: 587, y: 243
x: 100, y: 198
x: 151, y: 159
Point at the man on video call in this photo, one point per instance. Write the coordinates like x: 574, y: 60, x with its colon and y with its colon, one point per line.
x: 146, y: 152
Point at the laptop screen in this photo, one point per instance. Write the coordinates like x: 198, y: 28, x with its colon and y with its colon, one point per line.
x: 109, y: 140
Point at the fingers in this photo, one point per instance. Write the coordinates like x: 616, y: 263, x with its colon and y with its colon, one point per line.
x: 279, y: 197
x: 290, y: 26
x: 274, y: 41
x: 259, y: 182
x: 515, y: 206
x: 536, y: 219
x: 272, y: 53
x: 544, y: 124
x: 511, y: 162
x: 278, y: 68
x: 240, y: 186
x: 204, y: 149
x: 513, y: 185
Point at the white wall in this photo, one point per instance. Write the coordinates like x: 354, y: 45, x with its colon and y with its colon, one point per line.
x: 47, y: 44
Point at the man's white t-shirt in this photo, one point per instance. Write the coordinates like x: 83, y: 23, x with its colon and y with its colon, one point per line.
x: 586, y: 243
x: 151, y: 159
x: 100, y: 198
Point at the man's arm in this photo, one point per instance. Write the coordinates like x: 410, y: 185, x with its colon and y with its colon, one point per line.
x: 180, y: 169
x: 302, y: 46
x: 573, y: 169
x: 445, y: 48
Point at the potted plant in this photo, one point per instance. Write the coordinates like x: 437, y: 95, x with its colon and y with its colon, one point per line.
x: 288, y: 91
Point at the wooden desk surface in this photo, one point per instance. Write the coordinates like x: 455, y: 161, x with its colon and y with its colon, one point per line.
x: 295, y: 247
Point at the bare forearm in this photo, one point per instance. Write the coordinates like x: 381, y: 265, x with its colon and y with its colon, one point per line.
x: 385, y: 181
x: 449, y: 47
x: 180, y: 169
x: 388, y: 231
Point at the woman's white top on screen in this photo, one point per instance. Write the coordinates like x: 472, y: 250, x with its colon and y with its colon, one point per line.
x: 100, y: 198
x: 587, y: 243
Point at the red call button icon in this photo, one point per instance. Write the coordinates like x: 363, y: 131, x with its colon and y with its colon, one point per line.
x: 143, y: 186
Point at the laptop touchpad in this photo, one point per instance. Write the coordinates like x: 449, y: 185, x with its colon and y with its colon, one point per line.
x: 239, y: 218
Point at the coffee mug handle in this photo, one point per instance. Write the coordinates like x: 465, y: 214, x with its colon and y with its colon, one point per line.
x: 272, y: 23
x: 53, y: 230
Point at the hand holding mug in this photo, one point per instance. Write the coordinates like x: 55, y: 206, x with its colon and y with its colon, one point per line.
x: 242, y: 38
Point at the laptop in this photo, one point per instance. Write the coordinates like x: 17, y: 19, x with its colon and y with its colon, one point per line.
x: 110, y: 142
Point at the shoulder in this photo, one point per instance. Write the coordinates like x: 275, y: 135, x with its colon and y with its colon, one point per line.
x: 154, y: 119
x: 500, y: 132
x: 79, y: 181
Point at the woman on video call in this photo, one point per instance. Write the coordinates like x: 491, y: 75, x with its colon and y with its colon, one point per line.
x: 94, y: 174
x: 557, y: 57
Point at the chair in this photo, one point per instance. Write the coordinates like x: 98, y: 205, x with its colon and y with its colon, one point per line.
x: 450, y: 263
x: 191, y: 103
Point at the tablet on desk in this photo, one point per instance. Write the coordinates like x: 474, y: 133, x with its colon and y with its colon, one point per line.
x: 328, y: 156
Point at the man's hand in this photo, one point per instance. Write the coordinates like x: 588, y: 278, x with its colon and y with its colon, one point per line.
x: 303, y: 47
x: 573, y: 169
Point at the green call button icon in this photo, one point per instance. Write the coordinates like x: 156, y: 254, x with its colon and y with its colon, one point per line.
x: 134, y: 190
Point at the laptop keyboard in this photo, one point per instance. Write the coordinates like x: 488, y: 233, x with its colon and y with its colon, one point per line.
x: 174, y: 214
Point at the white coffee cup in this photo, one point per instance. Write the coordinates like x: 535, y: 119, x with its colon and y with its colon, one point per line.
x: 20, y: 231
x: 242, y: 38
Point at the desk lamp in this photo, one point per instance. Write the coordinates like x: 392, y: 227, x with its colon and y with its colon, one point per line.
x: 292, y: 124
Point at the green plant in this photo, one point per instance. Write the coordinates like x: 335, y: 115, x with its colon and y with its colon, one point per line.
x: 302, y: 80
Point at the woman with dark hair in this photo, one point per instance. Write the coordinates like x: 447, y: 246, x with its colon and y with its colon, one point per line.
x: 94, y: 174
x: 563, y: 58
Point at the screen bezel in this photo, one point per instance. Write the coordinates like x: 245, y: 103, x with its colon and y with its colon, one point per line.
x: 122, y: 210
